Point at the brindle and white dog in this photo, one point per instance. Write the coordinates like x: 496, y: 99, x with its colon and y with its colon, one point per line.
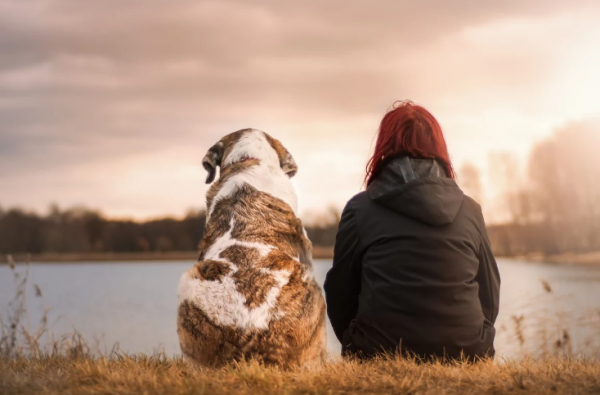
x: 252, y: 293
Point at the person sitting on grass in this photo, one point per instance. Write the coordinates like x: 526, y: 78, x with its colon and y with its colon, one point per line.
x: 413, y: 272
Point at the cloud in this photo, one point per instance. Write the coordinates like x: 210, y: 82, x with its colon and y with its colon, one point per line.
x: 126, y: 86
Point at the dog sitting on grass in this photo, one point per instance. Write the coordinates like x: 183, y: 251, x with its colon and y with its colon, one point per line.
x: 252, y: 294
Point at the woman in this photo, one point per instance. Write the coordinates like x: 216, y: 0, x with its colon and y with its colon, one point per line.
x: 413, y: 271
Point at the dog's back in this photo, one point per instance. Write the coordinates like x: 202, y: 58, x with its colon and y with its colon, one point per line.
x: 252, y: 293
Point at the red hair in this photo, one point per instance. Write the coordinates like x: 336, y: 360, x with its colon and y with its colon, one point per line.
x: 408, y: 129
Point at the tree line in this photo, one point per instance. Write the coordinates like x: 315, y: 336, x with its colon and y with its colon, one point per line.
x: 80, y: 230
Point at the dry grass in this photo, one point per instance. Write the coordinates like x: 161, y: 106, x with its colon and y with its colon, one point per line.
x: 19, y: 339
x: 145, y: 375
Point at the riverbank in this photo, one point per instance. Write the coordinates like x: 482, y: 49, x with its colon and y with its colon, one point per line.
x: 318, y: 253
x: 140, y: 374
x: 575, y: 259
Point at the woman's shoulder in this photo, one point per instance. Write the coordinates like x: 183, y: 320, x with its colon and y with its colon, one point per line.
x: 358, y: 201
x: 471, y: 204
x: 473, y: 210
x: 360, y: 207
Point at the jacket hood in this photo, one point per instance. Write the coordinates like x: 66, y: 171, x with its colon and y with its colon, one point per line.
x: 419, y: 189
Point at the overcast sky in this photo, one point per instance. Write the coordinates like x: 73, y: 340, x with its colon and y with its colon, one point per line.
x: 113, y: 104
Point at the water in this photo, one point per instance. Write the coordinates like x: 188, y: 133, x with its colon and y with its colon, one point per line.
x: 135, y: 303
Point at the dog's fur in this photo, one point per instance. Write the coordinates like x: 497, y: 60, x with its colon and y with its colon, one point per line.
x: 252, y: 293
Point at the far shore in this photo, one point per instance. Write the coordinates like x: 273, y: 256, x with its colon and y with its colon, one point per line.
x: 567, y: 259
x: 318, y: 253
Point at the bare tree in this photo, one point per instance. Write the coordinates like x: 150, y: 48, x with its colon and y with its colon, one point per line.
x: 510, y: 199
x: 470, y: 181
x: 564, y: 174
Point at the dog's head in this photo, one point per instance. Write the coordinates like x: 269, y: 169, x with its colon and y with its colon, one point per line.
x: 248, y: 144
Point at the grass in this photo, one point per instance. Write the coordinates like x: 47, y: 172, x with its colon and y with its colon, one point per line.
x: 158, y: 375
x: 34, y: 361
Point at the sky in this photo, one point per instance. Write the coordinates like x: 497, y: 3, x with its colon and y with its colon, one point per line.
x: 112, y: 104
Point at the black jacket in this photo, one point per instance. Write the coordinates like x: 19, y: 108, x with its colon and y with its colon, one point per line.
x: 413, y: 269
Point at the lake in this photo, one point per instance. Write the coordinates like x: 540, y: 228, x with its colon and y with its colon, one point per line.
x: 135, y: 303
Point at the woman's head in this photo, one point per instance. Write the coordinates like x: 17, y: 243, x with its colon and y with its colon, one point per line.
x: 410, y: 130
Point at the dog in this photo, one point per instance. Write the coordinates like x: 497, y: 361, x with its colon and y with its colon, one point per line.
x: 252, y: 293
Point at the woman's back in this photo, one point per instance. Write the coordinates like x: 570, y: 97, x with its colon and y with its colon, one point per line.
x: 420, y: 244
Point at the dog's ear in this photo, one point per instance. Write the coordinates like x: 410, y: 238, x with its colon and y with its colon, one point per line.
x: 288, y: 164
x: 286, y: 160
x: 212, y: 159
